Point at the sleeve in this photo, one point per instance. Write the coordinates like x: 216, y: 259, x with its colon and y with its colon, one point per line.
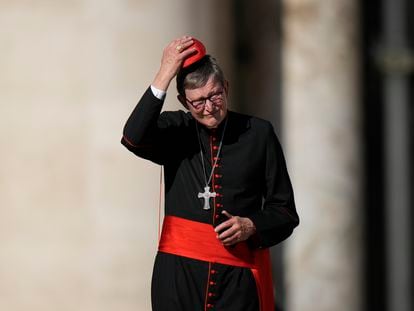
x: 160, y: 94
x: 142, y: 132
x: 277, y: 218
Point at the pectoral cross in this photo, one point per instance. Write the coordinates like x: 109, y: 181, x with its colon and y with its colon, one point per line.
x: 206, y: 196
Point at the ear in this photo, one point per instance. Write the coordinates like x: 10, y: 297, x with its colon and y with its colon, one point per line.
x: 182, y: 100
x: 226, y: 87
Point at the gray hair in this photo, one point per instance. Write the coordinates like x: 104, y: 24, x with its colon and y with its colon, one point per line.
x: 198, y: 74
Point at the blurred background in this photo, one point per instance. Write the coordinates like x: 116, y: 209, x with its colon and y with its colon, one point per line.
x: 79, y: 214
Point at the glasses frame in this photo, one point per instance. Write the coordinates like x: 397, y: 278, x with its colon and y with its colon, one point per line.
x: 203, y: 101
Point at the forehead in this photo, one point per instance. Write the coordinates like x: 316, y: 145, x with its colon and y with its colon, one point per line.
x: 211, y: 85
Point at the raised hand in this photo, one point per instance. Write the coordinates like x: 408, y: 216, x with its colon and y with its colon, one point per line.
x: 172, y: 58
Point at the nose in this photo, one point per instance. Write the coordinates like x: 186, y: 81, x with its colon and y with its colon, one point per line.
x: 209, y: 106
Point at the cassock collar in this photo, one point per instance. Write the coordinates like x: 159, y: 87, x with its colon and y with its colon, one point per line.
x: 237, y: 124
x: 215, y: 131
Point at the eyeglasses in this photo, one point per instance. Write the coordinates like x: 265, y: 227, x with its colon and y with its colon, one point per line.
x: 215, y: 98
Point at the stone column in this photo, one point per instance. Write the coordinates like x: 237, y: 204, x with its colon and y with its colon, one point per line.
x: 322, y: 138
x: 397, y: 64
x: 78, y: 213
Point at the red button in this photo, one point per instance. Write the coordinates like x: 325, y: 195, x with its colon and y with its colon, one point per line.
x: 218, y: 175
x: 215, y: 147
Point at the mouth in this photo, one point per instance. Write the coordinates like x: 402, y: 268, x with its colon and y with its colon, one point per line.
x: 211, y: 114
x: 208, y: 115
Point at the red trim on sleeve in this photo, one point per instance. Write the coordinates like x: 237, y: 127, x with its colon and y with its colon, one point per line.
x: 133, y: 145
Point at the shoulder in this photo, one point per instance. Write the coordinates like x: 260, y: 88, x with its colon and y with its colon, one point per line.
x: 177, y: 118
x: 251, y: 122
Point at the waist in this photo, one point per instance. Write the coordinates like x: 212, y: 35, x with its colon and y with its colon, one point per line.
x: 199, y: 241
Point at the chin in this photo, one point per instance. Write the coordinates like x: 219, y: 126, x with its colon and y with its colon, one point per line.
x: 210, y: 122
x: 212, y: 126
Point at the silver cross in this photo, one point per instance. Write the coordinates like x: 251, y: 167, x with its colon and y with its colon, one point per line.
x: 206, y: 196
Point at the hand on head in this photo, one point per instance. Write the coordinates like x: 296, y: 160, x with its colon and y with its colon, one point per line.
x: 172, y: 59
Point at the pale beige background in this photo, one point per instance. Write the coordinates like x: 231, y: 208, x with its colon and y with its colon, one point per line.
x: 78, y: 213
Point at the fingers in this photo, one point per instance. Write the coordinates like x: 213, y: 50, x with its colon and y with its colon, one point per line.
x: 175, y: 53
x: 227, y: 214
x: 231, y: 237
x: 173, y: 56
x: 180, y: 46
x: 234, y: 230
x: 230, y: 231
x: 226, y: 223
x: 232, y: 240
x: 183, y: 49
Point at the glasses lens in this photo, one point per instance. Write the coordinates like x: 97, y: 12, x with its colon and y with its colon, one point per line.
x: 215, y: 99
x: 198, y: 104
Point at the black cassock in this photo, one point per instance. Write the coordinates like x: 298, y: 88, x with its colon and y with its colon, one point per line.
x: 250, y: 180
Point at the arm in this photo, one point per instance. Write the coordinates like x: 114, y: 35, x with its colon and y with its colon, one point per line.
x: 172, y: 58
x: 276, y: 221
x: 141, y: 133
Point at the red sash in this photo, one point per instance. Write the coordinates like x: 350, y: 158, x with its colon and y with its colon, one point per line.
x: 197, y: 240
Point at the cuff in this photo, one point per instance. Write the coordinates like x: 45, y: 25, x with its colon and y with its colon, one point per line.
x: 160, y: 94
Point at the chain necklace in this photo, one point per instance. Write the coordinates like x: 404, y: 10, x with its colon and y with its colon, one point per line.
x: 206, y: 195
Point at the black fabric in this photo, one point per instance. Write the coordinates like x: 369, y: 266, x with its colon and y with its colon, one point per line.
x: 251, y: 181
x: 180, y: 283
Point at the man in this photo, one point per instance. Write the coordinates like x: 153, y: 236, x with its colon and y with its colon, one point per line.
x: 228, y: 196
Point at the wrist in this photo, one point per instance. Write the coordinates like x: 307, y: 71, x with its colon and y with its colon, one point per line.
x: 162, y: 81
x: 251, y: 226
x: 160, y: 94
